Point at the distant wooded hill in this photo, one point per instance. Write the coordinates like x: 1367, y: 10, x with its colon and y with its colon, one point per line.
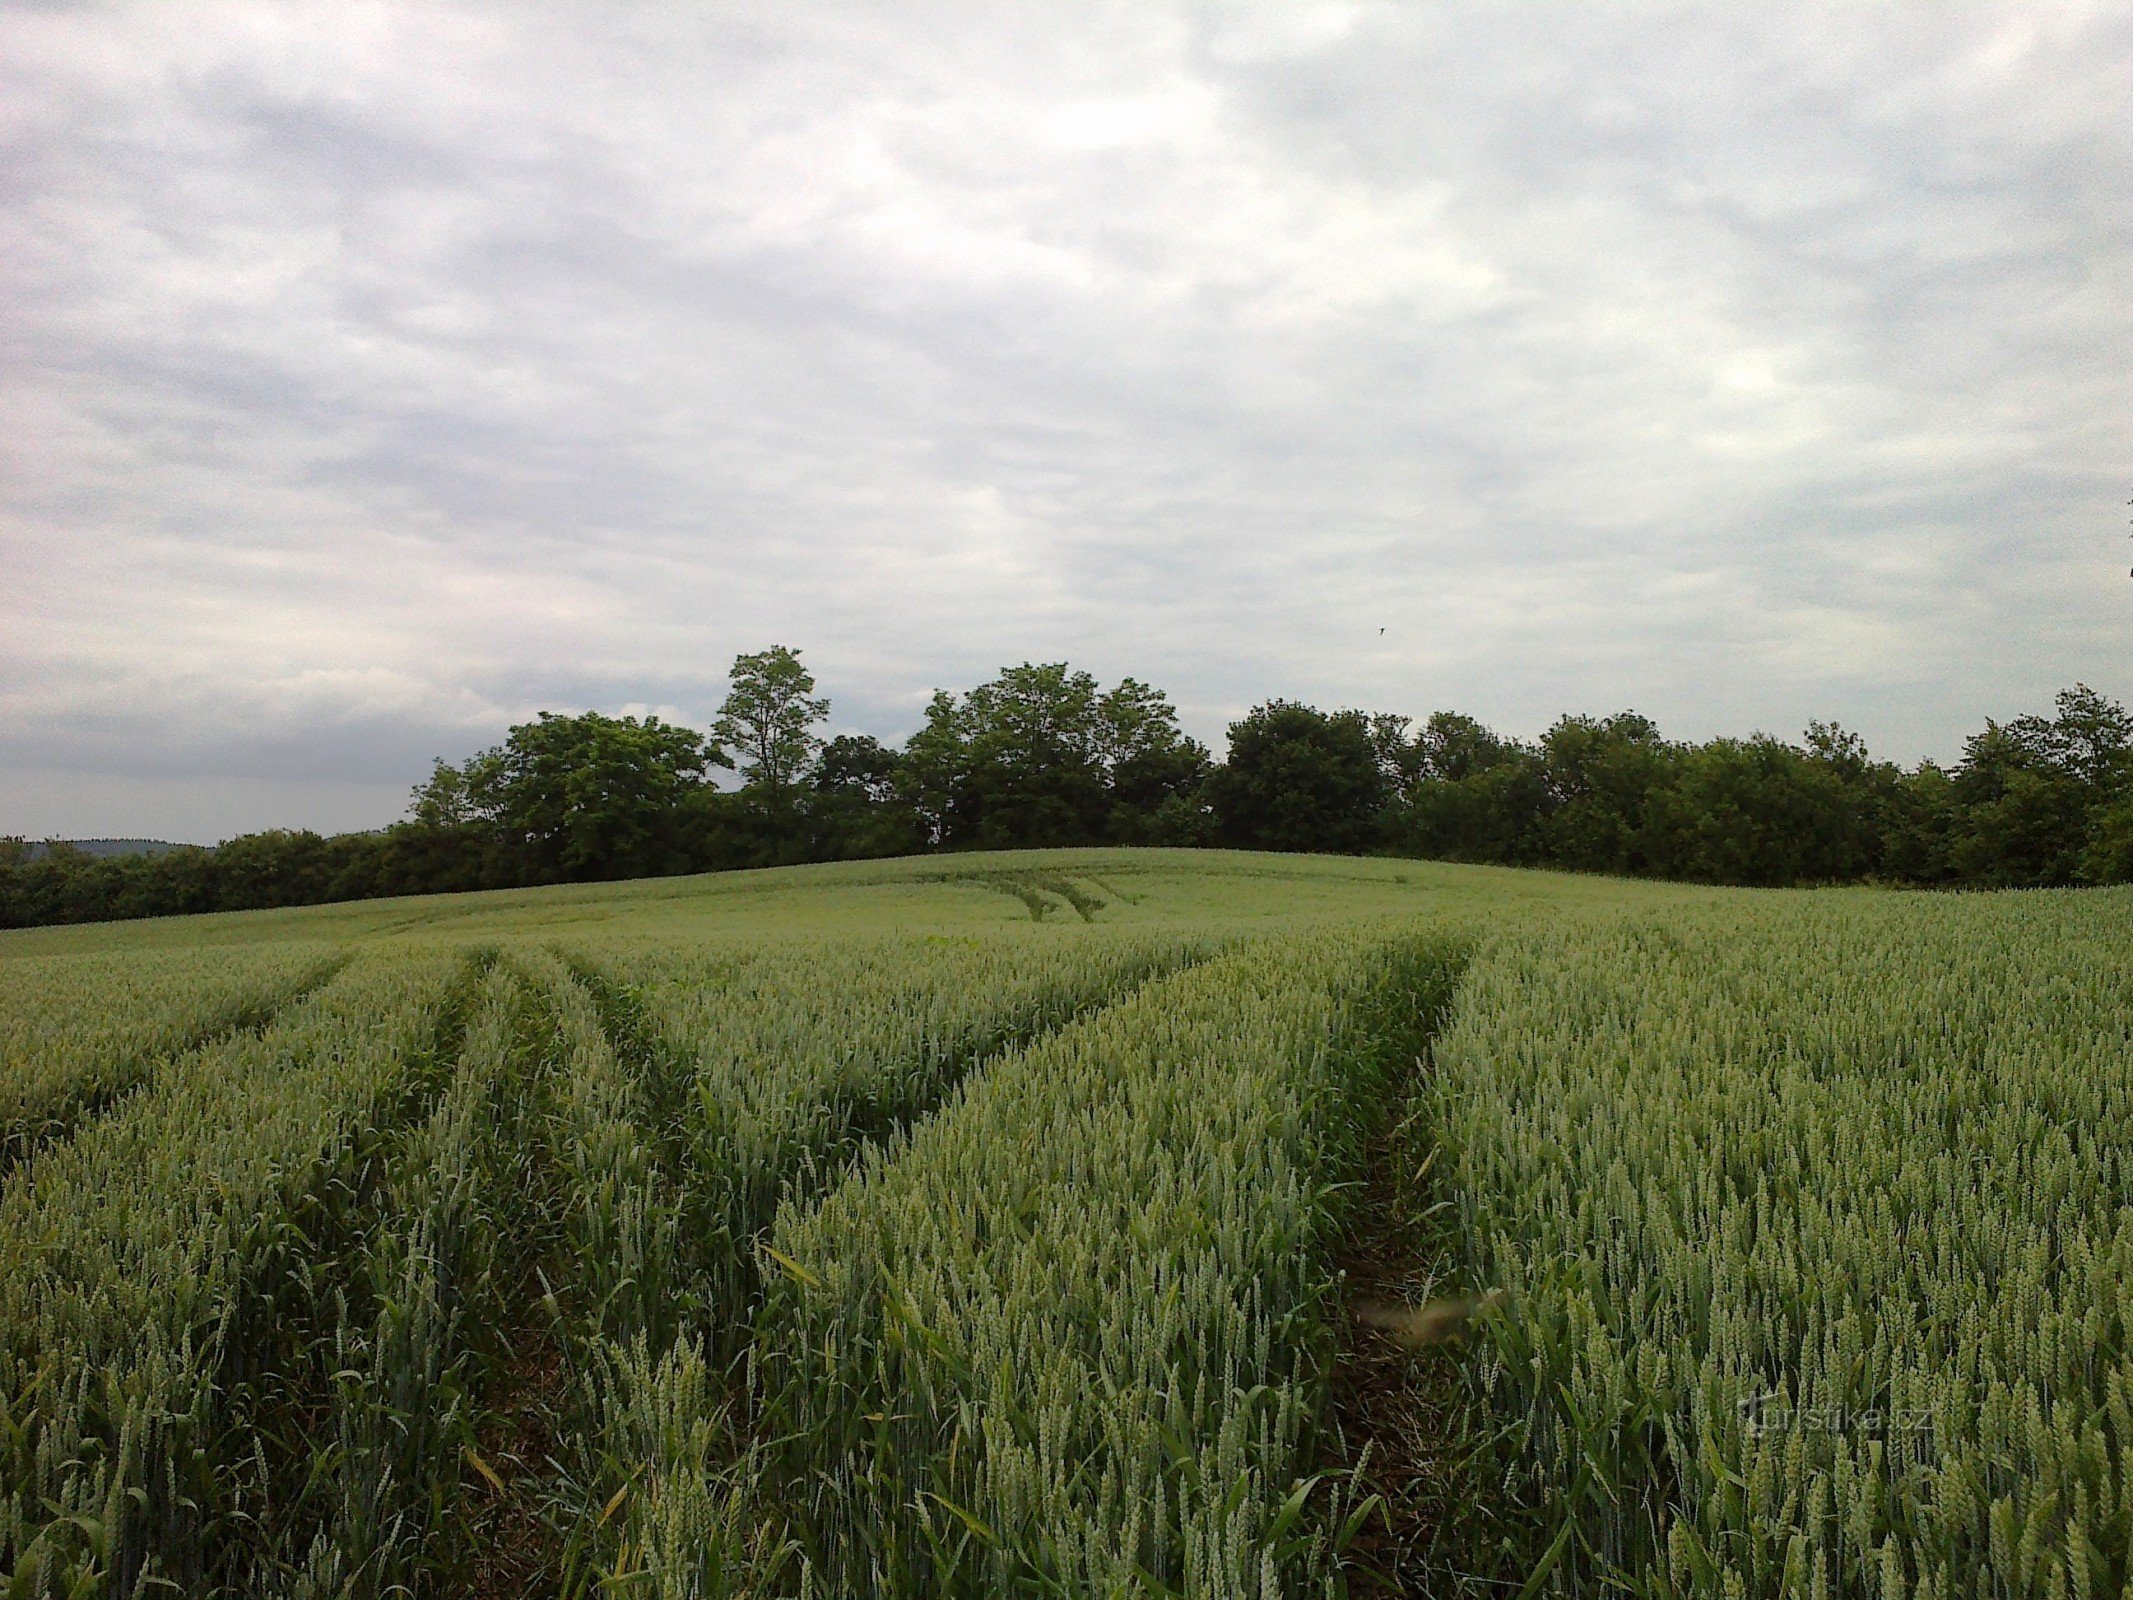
x: 110, y: 847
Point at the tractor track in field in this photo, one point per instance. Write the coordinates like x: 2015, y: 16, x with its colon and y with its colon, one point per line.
x: 293, y: 1403
x: 488, y: 1529
x: 517, y: 1534
x: 500, y: 1540
x: 20, y: 1146
x: 522, y: 1525
x: 1395, y: 1404
x: 513, y: 1544
x: 1394, y: 1391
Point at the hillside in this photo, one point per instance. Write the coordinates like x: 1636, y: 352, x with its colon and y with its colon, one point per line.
x: 1085, y: 1222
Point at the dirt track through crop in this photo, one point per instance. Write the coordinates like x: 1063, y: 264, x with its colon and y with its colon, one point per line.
x: 1393, y: 1394
x: 1395, y: 1410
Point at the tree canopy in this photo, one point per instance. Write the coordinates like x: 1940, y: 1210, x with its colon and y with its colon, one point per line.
x: 769, y: 717
x: 1299, y: 778
x: 588, y: 796
x: 1044, y: 755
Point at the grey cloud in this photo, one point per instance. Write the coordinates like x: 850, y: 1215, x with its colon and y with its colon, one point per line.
x: 383, y: 373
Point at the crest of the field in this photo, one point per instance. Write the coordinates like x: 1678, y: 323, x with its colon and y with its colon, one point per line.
x: 1061, y: 891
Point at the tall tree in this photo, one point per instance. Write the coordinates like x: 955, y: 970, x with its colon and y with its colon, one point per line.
x: 450, y: 798
x: 1465, y: 792
x: 1043, y: 755
x: 769, y: 718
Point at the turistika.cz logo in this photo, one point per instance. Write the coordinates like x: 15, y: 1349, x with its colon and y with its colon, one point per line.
x: 1772, y: 1413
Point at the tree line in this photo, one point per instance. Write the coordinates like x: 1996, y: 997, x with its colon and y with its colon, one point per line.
x: 1045, y: 755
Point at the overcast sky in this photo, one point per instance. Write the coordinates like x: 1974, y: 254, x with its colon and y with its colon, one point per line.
x: 375, y: 375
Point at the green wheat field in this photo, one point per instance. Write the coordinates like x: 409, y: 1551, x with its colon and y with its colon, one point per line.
x: 987, y: 1225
